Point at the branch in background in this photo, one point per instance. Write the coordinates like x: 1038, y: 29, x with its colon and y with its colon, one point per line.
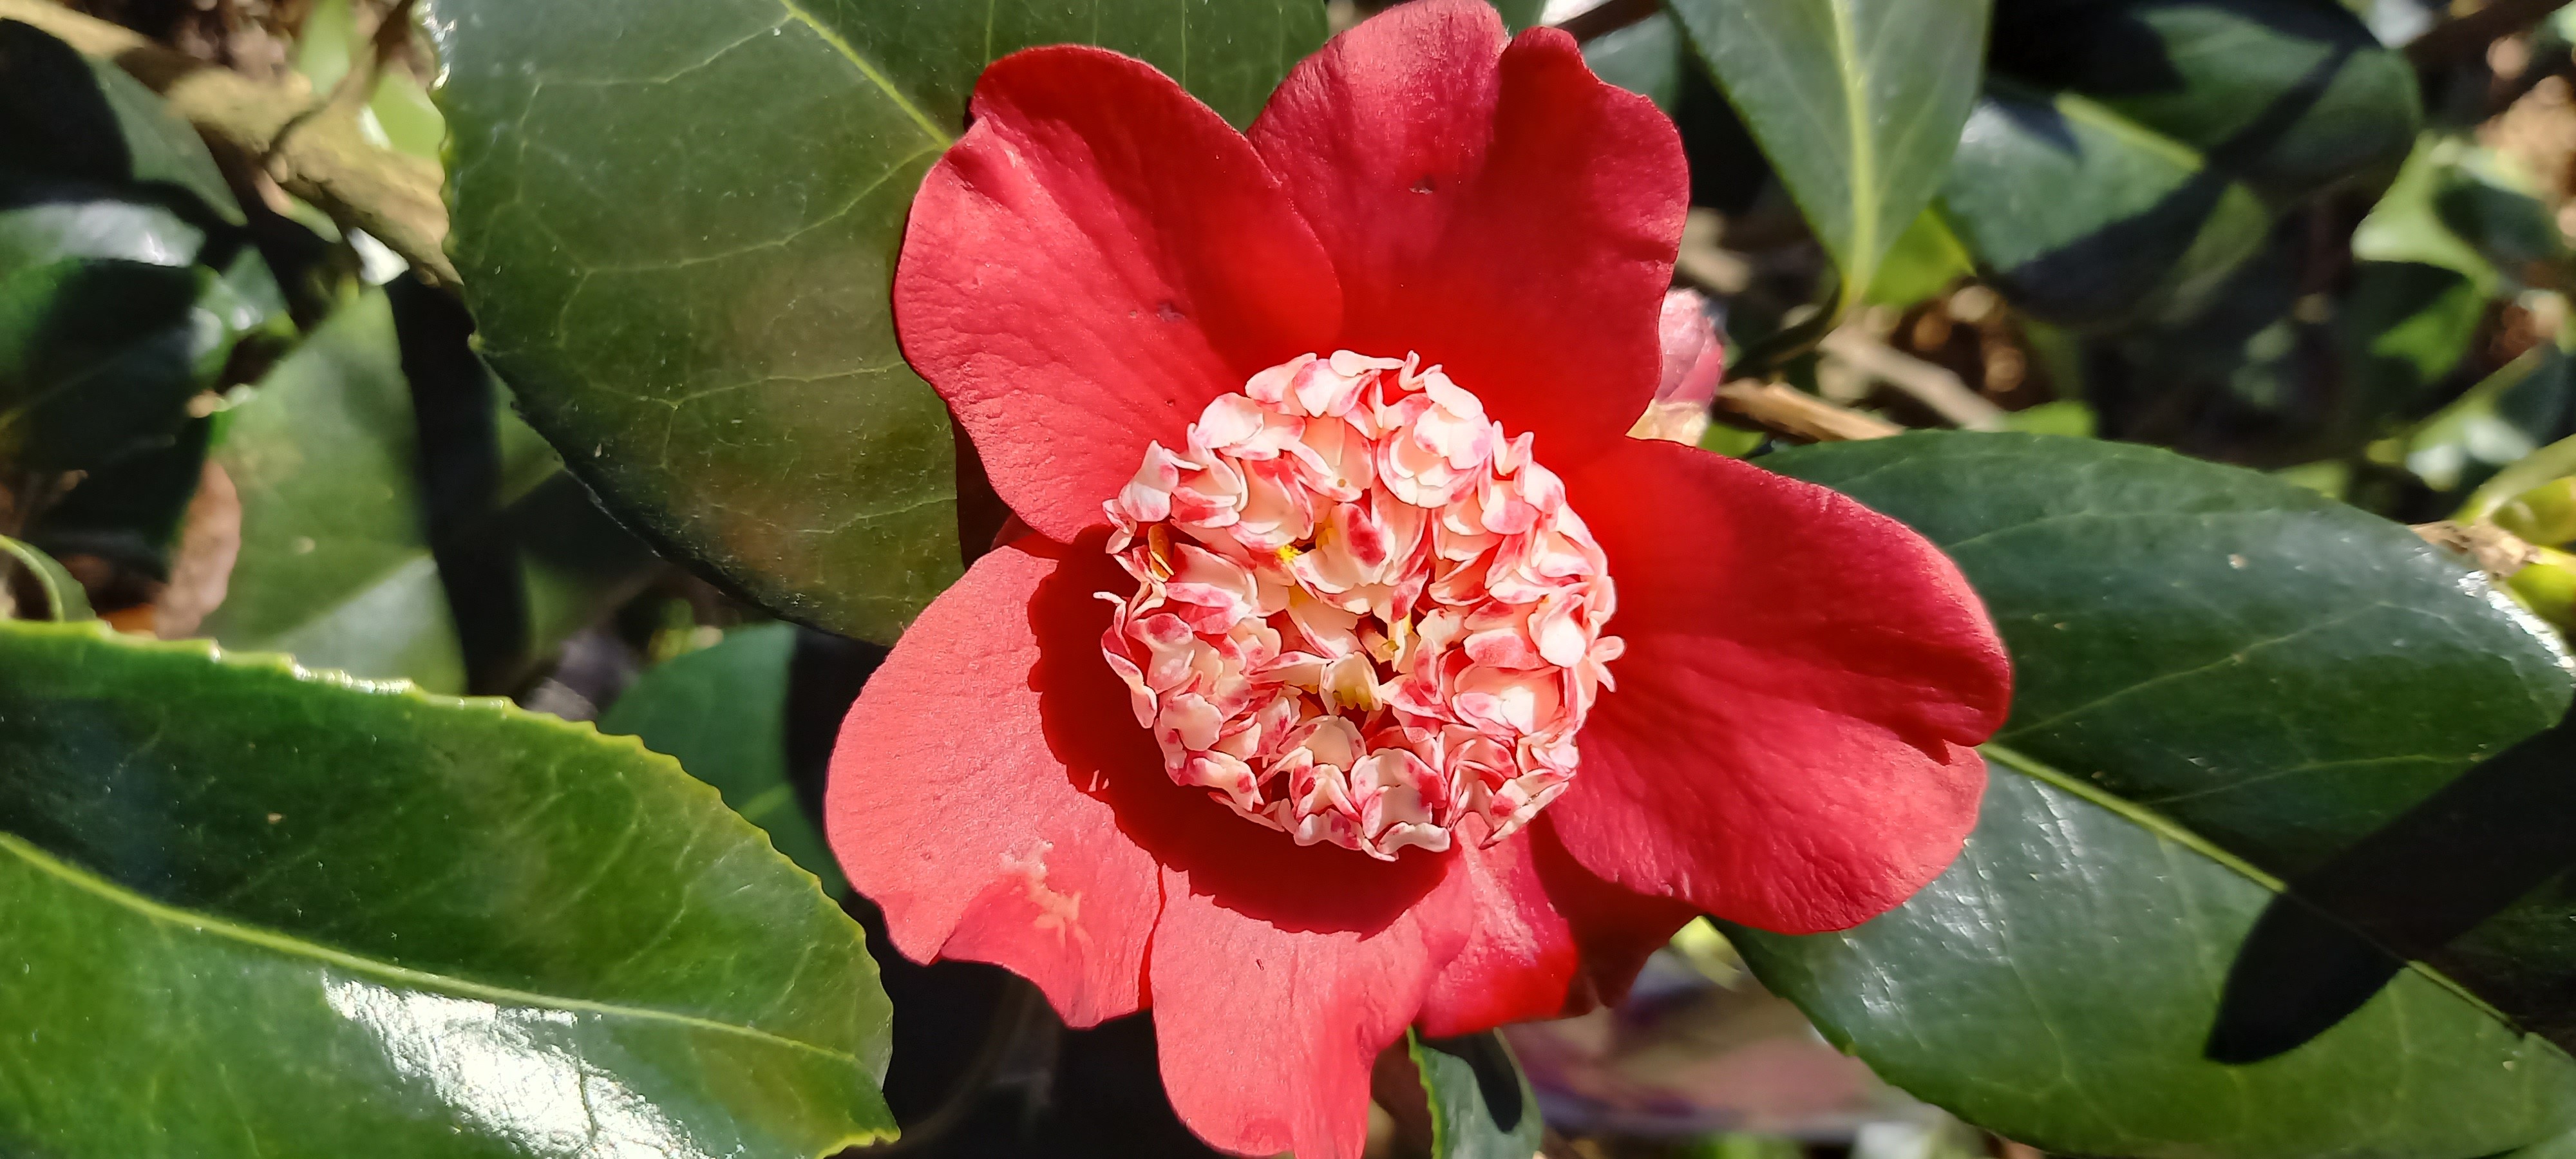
x: 1787, y: 411
x: 1609, y: 16
x: 2468, y: 36
x: 1933, y: 386
x: 2498, y: 552
x: 311, y: 148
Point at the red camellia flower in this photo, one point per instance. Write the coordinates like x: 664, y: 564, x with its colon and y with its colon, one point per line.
x: 1352, y: 668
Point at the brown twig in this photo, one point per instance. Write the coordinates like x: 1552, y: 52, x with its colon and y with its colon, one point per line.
x: 1932, y: 385
x: 1786, y: 411
x: 314, y: 151
x: 2458, y: 40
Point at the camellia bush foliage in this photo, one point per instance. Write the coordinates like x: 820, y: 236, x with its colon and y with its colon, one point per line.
x: 781, y: 578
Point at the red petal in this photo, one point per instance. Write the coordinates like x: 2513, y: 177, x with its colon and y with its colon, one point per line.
x: 1519, y: 959
x: 1502, y: 212
x: 980, y: 818
x: 1788, y: 746
x: 1547, y: 938
x: 1273, y: 994
x: 1092, y: 262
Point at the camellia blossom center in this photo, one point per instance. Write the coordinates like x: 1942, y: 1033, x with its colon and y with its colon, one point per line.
x: 1364, y: 613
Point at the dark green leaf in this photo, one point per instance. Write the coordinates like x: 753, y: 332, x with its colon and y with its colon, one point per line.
x: 70, y: 123
x: 709, y: 342
x: 1858, y: 104
x: 124, y: 282
x: 1482, y: 1106
x: 2057, y: 983
x: 2085, y: 219
x: 99, y: 358
x: 2401, y: 330
x: 2130, y: 153
x: 722, y: 711
x: 38, y: 588
x: 2219, y: 678
x: 2287, y: 96
x: 131, y: 512
x: 256, y: 910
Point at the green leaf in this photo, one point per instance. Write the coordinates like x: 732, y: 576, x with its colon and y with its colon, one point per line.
x: 707, y: 338
x: 2501, y: 419
x: 2130, y: 154
x: 1482, y: 1106
x: 2406, y: 224
x: 2221, y: 680
x: 257, y: 910
x: 2562, y: 1147
x: 722, y: 711
x: 2056, y: 986
x: 1645, y: 58
x: 2288, y: 96
x: 2400, y: 331
x: 2084, y: 219
x: 1924, y: 261
x: 70, y: 123
x: 1858, y: 104
x: 27, y: 572
x: 131, y: 513
x: 124, y: 282
x: 335, y: 565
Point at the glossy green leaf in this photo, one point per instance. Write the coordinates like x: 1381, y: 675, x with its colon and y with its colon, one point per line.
x: 1482, y: 1106
x: 2287, y: 96
x: 2220, y: 679
x: 2057, y: 983
x: 705, y: 334
x: 2130, y: 154
x: 255, y: 910
x: 1858, y: 104
x: 124, y: 283
x: 38, y: 587
x: 722, y: 712
x: 2085, y: 219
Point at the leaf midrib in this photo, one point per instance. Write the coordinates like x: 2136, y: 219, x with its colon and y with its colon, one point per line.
x: 195, y: 922
x: 868, y: 69
x: 1864, y: 175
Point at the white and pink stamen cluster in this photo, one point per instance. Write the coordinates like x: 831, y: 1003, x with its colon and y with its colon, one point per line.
x: 1364, y: 613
